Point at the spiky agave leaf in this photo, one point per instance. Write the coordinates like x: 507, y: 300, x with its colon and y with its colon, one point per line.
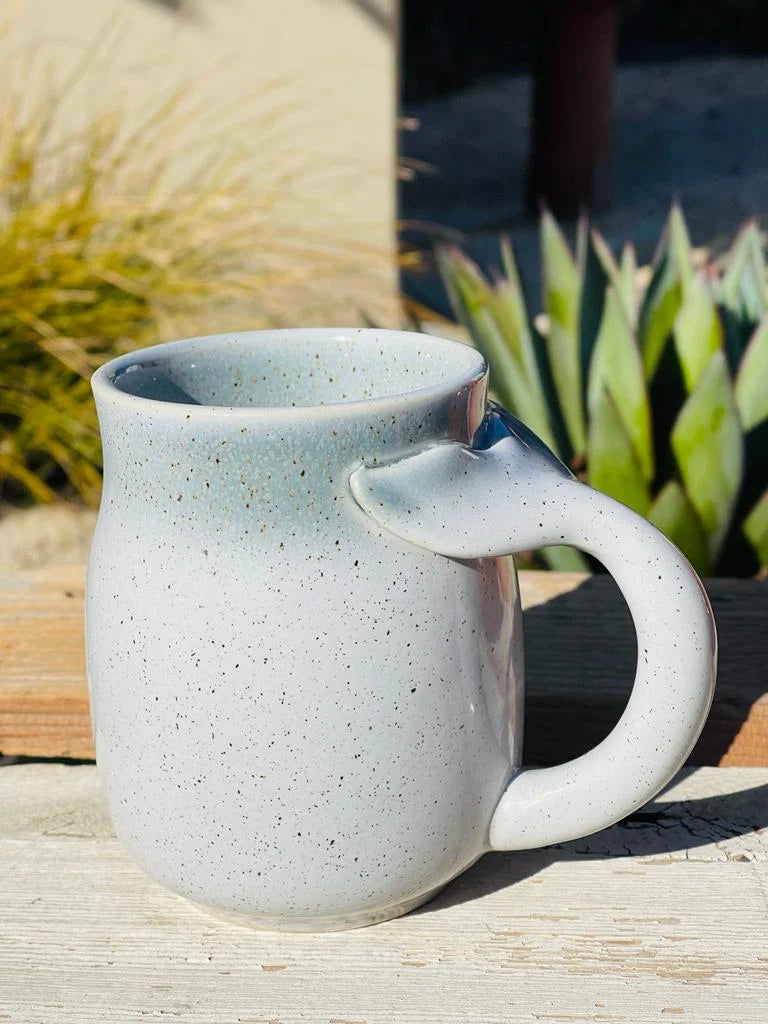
x: 498, y: 322
x: 697, y: 330
x: 664, y: 296
x: 752, y: 379
x: 511, y: 303
x: 680, y: 246
x: 667, y: 359
x: 675, y: 516
x: 627, y: 283
x: 743, y: 285
x: 708, y: 444
x: 741, y: 292
x: 560, y: 282
x: 756, y: 529
x: 616, y: 367
x: 598, y: 271
x: 471, y: 297
x: 613, y: 464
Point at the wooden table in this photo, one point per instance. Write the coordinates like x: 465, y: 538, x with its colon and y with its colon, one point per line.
x: 580, y: 658
x: 662, y: 917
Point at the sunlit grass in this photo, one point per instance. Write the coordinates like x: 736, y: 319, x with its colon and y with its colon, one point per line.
x: 98, y: 255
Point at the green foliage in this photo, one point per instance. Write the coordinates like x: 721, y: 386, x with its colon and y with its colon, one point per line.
x: 656, y: 395
x: 561, y: 304
x: 98, y: 255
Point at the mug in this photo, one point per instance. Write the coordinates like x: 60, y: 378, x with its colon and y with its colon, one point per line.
x: 304, y: 633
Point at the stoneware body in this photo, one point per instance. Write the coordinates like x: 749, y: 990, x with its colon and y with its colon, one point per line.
x: 303, y: 625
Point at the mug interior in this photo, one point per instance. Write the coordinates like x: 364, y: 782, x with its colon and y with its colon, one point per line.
x: 294, y: 368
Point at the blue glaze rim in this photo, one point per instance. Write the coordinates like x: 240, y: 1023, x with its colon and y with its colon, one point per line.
x: 104, y: 386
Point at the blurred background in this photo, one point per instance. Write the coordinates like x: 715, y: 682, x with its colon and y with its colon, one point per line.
x: 614, y: 107
x: 575, y: 187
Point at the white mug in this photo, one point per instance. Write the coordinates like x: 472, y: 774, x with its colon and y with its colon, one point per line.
x: 304, y: 631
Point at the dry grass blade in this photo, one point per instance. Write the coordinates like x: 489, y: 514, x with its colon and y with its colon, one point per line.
x: 99, y: 255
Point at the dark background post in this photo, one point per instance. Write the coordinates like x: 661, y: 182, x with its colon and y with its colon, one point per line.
x: 569, y: 164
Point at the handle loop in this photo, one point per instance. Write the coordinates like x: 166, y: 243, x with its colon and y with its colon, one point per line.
x: 509, y: 493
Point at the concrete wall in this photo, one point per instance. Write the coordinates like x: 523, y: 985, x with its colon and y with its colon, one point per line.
x: 328, y: 66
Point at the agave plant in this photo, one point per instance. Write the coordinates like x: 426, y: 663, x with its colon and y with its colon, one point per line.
x: 655, y: 392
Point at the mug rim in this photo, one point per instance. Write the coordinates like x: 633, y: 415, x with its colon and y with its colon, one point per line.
x: 103, y: 380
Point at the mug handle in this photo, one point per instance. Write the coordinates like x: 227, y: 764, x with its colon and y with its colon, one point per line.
x: 509, y: 493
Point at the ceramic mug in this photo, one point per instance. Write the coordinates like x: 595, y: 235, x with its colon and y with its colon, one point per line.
x: 304, y: 631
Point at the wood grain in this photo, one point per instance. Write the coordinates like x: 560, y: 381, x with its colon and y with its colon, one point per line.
x: 661, y: 918
x: 43, y: 689
x: 580, y: 652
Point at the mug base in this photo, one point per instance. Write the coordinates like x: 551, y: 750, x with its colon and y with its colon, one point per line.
x: 340, y: 923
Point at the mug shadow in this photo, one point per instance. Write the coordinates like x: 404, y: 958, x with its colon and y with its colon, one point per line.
x: 661, y: 827
x: 569, y: 712
x: 580, y: 656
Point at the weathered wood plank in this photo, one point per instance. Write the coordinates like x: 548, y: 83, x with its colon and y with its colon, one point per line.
x: 43, y: 689
x: 677, y: 930
x: 580, y: 658
x: 713, y: 814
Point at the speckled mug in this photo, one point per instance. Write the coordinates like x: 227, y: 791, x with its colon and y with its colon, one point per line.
x: 304, y: 632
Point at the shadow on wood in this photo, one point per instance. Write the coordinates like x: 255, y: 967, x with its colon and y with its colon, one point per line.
x: 580, y: 663
x: 670, y: 830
